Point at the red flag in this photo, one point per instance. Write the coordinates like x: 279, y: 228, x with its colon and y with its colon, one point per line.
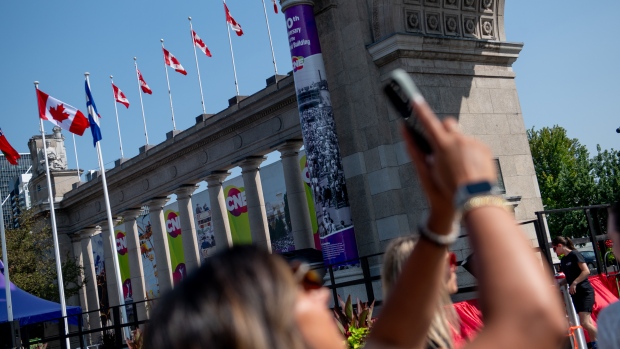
x: 173, y: 62
x: 275, y: 6
x: 145, y: 88
x: 233, y: 24
x: 61, y: 114
x: 119, y: 96
x: 201, y: 44
x: 9, y: 152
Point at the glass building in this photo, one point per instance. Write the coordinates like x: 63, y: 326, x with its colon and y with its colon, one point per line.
x: 8, y: 173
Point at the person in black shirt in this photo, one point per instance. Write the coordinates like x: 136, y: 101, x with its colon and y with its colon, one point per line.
x: 574, y: 266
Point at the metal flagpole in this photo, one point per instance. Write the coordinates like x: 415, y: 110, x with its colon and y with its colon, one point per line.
x: 118, y: 125
x: 77, y: 164
x: 191, y: 32
x: 5, y: 261
x: 174, y: 126
x: 273, y: 56
x: 119, y: 283
x: 61, y: 287
x: 146, y: 135
x: 232, y: 54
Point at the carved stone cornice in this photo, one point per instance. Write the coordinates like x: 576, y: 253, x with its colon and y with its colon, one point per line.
x: 449, y: 49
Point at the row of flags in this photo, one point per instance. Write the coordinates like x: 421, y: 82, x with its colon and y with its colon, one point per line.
x: 73, y: 120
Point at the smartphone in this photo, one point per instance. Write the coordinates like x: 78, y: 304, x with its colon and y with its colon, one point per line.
x: 403, y: 93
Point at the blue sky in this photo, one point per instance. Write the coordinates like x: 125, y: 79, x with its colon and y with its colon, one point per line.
x: 567, y: 73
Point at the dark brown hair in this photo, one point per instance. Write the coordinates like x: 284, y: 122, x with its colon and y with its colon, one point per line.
x: 564, y: 241
x: 242, y: 298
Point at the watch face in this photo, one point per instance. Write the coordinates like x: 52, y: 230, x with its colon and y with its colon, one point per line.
x: 481, y: 187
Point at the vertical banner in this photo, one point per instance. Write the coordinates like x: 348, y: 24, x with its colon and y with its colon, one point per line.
x: 123, y: 263
x: 102, y: 285
x: 204, y: 226
x: 149, y: 263
x: 320, y: 141
x: 237, y: 208
x: 175, y: 243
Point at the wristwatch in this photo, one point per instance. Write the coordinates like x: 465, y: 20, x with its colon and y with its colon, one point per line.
x: 468, y: 191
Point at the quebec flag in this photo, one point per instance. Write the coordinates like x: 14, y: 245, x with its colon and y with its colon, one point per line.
x: 93, y: 115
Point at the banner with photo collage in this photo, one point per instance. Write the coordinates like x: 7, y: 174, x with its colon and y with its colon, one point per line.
x: 325, y: 172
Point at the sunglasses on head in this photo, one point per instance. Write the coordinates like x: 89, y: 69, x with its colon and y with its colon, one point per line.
x: 308, y: 278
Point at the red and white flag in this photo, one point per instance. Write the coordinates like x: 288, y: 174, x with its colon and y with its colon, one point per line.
x: 145, y: 88
x: 61, y: 114
x: 173, y: 62
x: 201, y: 44
x: 233, y: 24
x: 119, y: 96
x: 10, y: 154
x: 275, y: 6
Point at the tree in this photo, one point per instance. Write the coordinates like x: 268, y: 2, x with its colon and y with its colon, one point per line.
x: 606, y: 167
x: 32, y: 265
x: 565, y: 176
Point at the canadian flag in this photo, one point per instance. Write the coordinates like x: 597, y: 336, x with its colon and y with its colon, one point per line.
x: 119, y: 96
x: 275, y: 6
x: 233, y: 24
x: 201, y: 44
x: 61, y: 114
x: 145, y: 88
x: 173, y: 62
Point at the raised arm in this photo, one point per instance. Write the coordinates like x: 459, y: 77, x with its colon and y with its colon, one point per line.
x: 520, y: 307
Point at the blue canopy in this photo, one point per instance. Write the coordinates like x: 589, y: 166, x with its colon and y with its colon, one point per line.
x: 29, y: 309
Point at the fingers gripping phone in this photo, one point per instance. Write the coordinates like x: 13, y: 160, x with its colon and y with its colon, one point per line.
x: 403, y: 93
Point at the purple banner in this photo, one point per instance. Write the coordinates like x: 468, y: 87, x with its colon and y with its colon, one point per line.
x: 328, y: 187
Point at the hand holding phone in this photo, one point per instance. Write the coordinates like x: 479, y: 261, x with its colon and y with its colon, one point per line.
x: 403, y: 93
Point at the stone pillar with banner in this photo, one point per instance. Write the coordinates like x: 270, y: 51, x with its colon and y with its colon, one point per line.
x: 325, y: 169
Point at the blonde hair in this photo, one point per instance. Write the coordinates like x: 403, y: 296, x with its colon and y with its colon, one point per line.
x: 445, y: 320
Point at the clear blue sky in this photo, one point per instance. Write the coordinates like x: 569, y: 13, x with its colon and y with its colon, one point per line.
x: 567, y: 73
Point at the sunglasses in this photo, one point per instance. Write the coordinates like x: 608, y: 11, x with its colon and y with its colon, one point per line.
x: 307, y: 278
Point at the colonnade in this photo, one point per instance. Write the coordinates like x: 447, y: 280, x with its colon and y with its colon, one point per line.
x: 298, y: 209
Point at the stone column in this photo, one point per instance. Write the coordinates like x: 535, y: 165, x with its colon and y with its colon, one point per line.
x: 110, y: 271
x: 92, y: 295
x: 160, y: 243
x: 296, y: 195
x: 134, y: 255
x: 255, y: 201
x: 76, y: 240
x: 188, y: 227
x: 219, y: 214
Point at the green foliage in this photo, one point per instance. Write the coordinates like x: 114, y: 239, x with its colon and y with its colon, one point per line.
x: 32, y: 266
x: 358, y: 336
x: 569, y: 177
x: 354, y: 323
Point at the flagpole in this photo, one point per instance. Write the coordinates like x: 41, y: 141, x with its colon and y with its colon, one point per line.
x: 119, y: 282
x: 146, y: 135
x: 232, y: 55
x: 202, y: 99
x: 5, y: 261
x: 174, y: 126
x: 77, y: 164
x: 51, y: 199
x: 273, y: 56
x: 118, y: 125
